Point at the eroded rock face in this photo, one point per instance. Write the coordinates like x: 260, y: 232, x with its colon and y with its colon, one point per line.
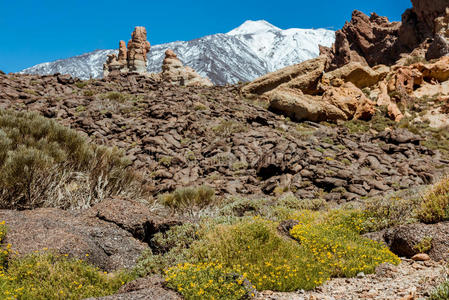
x: 366, y: 40
x: 174, y: 72
x: 130, y: 59
x: 304, y: 76
x: 403, y: 239
x: 110, y: 235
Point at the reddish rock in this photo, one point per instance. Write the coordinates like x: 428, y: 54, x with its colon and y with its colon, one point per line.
x: 421, y: 257
x: 130, y: 59
x: 368, y: 40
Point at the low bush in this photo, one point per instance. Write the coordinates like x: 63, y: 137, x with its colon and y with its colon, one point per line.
x: 167, y: 249
x: 335, y: 241
x: 435, y: 203
x: 441, y: 292
x: 385, y: 212
x: 206, y: 281
x: 49, y: 276
x: 46, y: 164
x: 189, y: 200
x: 253, y: 249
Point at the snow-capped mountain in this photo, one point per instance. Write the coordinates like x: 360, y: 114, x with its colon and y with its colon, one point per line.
x: 243, y: 54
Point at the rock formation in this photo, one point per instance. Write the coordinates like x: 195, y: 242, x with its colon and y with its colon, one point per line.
x: 174, y: 72
x: 130, y: 59
x: 374, y: 40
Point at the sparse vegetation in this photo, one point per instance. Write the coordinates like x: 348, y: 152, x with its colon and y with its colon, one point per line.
x: 50, y: 276
x: 441, y: 292
x: 45, y: 164
x: 228, y: 128
x: 189, y: 200
x: 435, y: 203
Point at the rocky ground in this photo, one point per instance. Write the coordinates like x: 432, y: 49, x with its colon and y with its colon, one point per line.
x: 409, y: 280
x: 184, y: 136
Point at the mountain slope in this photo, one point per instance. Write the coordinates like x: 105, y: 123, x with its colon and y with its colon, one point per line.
x: 243, y: 54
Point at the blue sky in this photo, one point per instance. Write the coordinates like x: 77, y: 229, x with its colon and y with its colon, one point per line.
x: 35, y: 31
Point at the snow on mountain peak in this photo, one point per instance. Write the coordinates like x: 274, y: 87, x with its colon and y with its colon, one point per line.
x: 253, y: 27
x: 243, y: 54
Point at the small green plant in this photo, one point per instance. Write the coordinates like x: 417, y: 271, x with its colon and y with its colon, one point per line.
x: 81, y: 84
x: 88, y: 93
x: 228, y: 128
x: 115, y: 96
x: 424, y: 245
x: 189, y: 200
x: 435, y: 203
x: 206, y: 281
x: 414, y: 59
x: 49, y: 276
x: 166, y: 161
x: 441, y: 292
x: 31, y: 92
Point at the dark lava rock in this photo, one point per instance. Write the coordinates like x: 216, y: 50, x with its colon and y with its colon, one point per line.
x: 149, y: 288
x: 403, y: 239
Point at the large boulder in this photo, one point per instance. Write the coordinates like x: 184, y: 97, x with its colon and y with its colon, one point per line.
x: 360, y: 75
x: 351, y: 100
x: 403, y: 240
x: 111, y: 235
x: 174, y: 72
x: 304, y: 76
x: 294, y: 104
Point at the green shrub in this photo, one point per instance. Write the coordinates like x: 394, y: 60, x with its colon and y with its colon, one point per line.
x: 435, y: 203
x: 206, y: 281
x: 45, y: 164
x: 48, y: 276
x: 441, y: 292
x: 115, y: 96
x: 381, y: 213
x: 335, y: 241
x: 167, y: 249
x: 253, y: 249
x: 228, y: 128
x: 189, y: 200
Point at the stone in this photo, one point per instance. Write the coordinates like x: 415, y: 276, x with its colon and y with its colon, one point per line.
x: 304, y: 76
x: 294, y: 104
x: 132, y: 58
x: 402, y: 240
x: 421, y: 257
x: 138, y: 47
x: 360, y: 75
x: 351, y: 100
x: 101, y: 243
x: 384, y: 99
x: 174, y: 72
x: 365, y: 40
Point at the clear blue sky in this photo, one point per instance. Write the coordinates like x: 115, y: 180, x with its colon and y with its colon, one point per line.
x: 35, y: 31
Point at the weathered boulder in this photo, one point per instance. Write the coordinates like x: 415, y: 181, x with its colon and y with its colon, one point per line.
x: 134, y: 217
x: 148, y: 288
x: 101, y: 243
x: 111, y: 235
x: 304, y: 76
x: 174, y: 72
x: 294, y: 104
x: 384, y: 99
x: 351, y: 100
x: 360, y: 75
x: 403, y: 240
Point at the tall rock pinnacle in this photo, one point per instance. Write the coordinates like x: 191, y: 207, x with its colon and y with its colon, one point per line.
x: 132, y: 58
